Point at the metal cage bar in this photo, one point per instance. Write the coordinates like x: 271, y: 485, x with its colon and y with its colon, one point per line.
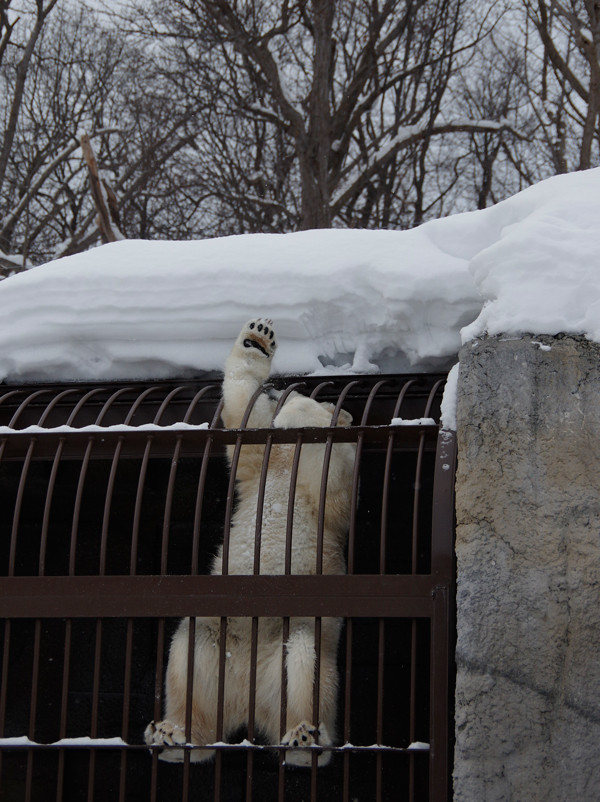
x: 133, y: 475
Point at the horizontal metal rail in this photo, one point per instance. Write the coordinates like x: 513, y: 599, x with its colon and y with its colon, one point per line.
x: 193, y: 441
x: 246, y: 746
x: 165, y: 596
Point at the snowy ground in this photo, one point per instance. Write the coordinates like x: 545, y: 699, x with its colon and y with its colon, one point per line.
x: 354, y: 301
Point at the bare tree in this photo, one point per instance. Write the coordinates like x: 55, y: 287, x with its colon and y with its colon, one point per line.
x: 84, y: 77
x: 322, y: 112
x: 42, y: 11
x: 566, y: 94
x: 211, y: 117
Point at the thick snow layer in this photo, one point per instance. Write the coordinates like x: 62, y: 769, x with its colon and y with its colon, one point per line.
x: 352, y: 301
x: 132, y: 309
x: 542, y: 273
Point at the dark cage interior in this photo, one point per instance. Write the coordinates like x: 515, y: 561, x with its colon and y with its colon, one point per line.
x: 114, y: 499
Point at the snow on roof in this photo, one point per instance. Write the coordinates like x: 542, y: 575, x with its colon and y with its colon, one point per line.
x: 351, y: 301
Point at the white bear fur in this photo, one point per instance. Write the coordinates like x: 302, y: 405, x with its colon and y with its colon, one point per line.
x: 246, y: 370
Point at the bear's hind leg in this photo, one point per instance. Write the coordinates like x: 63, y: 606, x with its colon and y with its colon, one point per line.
x: 170, y: 731
x: 300, y: 663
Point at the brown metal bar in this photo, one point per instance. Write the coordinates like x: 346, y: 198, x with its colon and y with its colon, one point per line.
x: 322, y: 501
x: 401, y: 396
x: 196, y: 400
x: 107, y: 507
x: 77, y: 507
x: 189, y: 691
x: 137, y: 510
x: 442, y: 526
x: 53, y: 403
x: 285, y: 629
x: 321, y: 386
x: 317, y: 680
x: 235, y: 458
x: 95, y: 705
x: 327, y: 595
x: 347, y: 700
x: 169, y: 505
x: 251, y: 706
x: 198, y: 507
x: 439, y: 697
x: 290, y: 508
x: 379, y: 729
x: 62, y: 732
x: 325, y: 476
x: 33, y: 706
x: 356, y: 477
x: 17, y: 511
x: 262, y: 481
x: 238, y: 441
x: 24, y: 404
x: 220, y: 707
x: 10, y: 394
x: 201, y: 480
x: 126, y: 707
x: 47, y: 508
x: 440, y: 655
x: 260, y: 503
x: 158, y: 701
x: 134, y: 440
x: 165, y: 403
x: 111, y: 401
x: 385, y: 494
x: 81, y: 404
x: 413, y: 705
x: 420, y: 596
x: 4, y: 683
x: 354, y: 505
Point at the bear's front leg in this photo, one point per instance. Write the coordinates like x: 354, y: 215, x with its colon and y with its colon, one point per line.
x: 246, y: 369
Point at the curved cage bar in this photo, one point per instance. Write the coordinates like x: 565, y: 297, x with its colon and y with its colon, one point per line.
x: 115, y: 498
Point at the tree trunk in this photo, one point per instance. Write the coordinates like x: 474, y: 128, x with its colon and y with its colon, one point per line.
x: 315, y: 152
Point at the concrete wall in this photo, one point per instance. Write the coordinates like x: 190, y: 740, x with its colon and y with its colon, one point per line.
x: 528, y: 554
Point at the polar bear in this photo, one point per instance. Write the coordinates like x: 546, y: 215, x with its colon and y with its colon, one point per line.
x: 246, y: 370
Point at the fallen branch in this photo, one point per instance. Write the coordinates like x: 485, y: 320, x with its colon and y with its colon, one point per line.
x: 103, y: 195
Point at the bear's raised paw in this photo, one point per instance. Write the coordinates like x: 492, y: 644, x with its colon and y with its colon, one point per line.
x: 258, y: 334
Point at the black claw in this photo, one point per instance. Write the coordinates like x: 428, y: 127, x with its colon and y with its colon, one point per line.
x: 259, y: 327
x: 251, y: 326
x: 305, y: 738
x: 271, y: 335
x: 266, y: 330
x: 295, y: 742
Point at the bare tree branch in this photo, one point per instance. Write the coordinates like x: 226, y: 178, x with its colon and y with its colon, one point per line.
x: 21, y: 77
x: 405, y: 139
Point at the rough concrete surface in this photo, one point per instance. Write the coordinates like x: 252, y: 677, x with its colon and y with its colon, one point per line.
x: 528, y: 556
